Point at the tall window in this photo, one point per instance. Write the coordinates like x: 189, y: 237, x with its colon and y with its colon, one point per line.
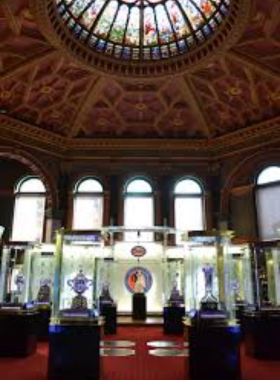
x: 29, y: 210
x: 268, y: 203
x: 88, y: 205
x: 188, y: 206
x: 138, y: 209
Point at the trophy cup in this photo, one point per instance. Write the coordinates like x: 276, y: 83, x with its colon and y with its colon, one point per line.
x: 209, y: 302
x: 44, y: 293
x: 19, y: 282
x: 79, y: 284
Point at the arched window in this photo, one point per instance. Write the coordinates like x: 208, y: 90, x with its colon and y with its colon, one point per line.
x: 29, y: 210
x: 138, y: 209
x: 88, y: 204
x: 268, y: 203
x: 188, y: 206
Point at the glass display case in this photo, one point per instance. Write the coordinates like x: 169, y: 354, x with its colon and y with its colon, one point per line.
x: 213, y: 334
x: 75, y: 327
x: 262, y: 323
x: 40, y: 277
x: 174, y: 307
x: 242, y: 275
x: 209, y: 274
x: 14, y: 274
x: 267, y: 271
x: 18, y: 318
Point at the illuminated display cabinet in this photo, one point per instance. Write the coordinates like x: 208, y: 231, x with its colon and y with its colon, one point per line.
x: 214, y: 335
x: 18, y: 318
x: 75, y: 327
x: 262, y: 323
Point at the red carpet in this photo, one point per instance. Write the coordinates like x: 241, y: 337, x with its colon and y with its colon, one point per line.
x: 139, y: 367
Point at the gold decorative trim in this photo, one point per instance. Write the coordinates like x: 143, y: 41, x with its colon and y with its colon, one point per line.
x: 60, y: 36
x: 22, y: 133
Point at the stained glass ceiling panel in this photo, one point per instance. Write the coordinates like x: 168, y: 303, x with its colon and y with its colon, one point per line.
x: 143, y: 29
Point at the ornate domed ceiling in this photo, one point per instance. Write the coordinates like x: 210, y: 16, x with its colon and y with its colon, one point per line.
x: 141, y: 37
x: 143, y: 29
x: 52, y: 101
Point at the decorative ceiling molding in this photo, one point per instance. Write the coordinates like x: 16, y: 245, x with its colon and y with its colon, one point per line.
x: 33, y: 60
x: 90, y: 97
x: 13, y: 22
x: 22, y: 133
x: 253, y: 63
x: 189, y: 90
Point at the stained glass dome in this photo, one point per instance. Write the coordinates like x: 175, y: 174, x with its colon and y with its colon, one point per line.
x: 143, y: 29
x: 142, y: 37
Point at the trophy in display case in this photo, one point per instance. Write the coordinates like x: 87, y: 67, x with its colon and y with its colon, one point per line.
x: 44, y: 292
x: 79, y: 284
x: 262, y: 321
x: 18, y: 333
x: 209, y: 301
x: 75, y: 329
x: 19, y: 282
x: 175, y: 298
x: 214, y: 335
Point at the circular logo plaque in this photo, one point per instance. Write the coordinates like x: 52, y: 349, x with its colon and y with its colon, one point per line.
x: 138, y: 251
x: 138, y: 275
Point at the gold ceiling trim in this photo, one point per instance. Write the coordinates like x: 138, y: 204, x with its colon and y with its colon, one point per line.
x: 21, y: 132
x: 53, y: 28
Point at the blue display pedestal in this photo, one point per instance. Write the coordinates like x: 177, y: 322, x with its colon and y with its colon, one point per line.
x: 139, y: 306
x: 74, y: 351
x: 173, y: 319
x: 214, y: 351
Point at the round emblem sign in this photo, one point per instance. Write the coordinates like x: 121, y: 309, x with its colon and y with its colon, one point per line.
x: 139, y: 277
x: 138, y: 251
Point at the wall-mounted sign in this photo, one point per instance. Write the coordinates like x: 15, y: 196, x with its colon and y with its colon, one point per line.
x: 138, y: 251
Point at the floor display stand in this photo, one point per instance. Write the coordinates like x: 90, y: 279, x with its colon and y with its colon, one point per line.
x: 18, y: 333
x: 139, y: 306
x: 74, y: 351
x: 44, y: 316
x: 214, y: 351
x: 173, y: 319
x: 262, y: 333
x: 109, y: 312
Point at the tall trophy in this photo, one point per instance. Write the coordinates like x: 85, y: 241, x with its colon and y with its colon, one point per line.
x: 209, y: 301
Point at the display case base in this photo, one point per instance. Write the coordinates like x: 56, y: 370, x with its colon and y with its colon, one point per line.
x: 109, y: 312
x: 262, y: 334
x: 43, y: 322
x: 74, y: 352
x: 139, y: 310
x: 214, y: 351
x: 173, y: 319
x: 18, y: 333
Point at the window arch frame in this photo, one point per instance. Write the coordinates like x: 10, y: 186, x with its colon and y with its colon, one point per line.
x: 21, y: 195
x: 258, y: 187
x: 141, y: 194
x: 186, y: 195
x: 83, y: 194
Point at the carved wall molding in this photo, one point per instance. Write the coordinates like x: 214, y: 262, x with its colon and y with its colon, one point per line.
x: 247, y: 168
x: 37, y: 167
